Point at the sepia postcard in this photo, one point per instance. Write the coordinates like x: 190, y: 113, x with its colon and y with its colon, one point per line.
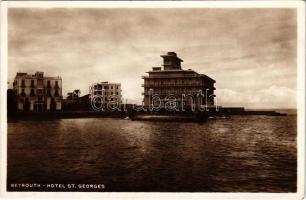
x: 153, y: 99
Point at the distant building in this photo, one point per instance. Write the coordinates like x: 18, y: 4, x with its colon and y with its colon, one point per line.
x: 109, y: 92
x: 74, y: 102
x: 73, y: 97
x: 37, y: 92
x: 175, y: 81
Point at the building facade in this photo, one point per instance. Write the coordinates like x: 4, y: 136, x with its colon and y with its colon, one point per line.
x: 37, y: 92
x: 109, y: 92
x: 184, y: 87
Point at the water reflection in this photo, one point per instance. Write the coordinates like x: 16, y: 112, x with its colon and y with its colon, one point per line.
x: 241, y: 154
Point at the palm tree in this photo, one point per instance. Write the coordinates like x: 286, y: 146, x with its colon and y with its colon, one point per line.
x: 77, y: 93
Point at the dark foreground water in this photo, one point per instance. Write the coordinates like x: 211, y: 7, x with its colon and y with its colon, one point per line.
x: 240, y: 154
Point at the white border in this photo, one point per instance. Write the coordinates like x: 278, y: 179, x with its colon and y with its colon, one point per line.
x: 154, y: 4
x: 299, y: 5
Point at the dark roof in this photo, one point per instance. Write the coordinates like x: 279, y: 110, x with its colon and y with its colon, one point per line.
x: 85, y: 96
x: 172, y: 54
x: 180, y: 72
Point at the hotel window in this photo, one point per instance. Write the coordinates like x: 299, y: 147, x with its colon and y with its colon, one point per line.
x: 22, y: 83
x: 32, y: 92
x: 22, y: 92
x: 32, y: 83
x: 56, y: 93
x: 48, y: 92
x: 56, y: 85
x: 117, y: 87
x: 111, y: 93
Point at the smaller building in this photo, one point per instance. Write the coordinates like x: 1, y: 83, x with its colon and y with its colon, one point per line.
x: 109, y: 92
x: 73, y: 97
x: 36, y: 92
x: 74, y: 102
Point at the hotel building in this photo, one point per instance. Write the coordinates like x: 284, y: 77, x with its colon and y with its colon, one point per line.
x: 184, y: 85
x: 109, y: 92
x: 37, y: 92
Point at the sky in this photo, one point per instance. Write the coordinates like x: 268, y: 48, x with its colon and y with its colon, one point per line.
x: 251, y: 53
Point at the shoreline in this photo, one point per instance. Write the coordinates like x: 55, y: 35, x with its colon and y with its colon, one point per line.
x: 146, y: 116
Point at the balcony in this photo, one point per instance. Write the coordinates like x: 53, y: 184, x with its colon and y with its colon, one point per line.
x: 40, y: 92
x: 40, y: 87
x: 171, y: 75
x: 173, y: 85
x: 180, y: 93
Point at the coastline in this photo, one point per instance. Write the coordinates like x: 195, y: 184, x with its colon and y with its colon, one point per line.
x: 148, y: 116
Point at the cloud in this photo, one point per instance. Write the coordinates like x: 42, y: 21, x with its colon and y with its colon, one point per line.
x: 242, y: 49
x: 271, y: 97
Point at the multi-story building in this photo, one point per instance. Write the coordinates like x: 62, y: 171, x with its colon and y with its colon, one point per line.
x: 37, y: 92
x: 183, y: 86
x: 109, y: 92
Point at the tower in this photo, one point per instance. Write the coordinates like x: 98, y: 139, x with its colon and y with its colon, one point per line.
x: 171, y: 61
